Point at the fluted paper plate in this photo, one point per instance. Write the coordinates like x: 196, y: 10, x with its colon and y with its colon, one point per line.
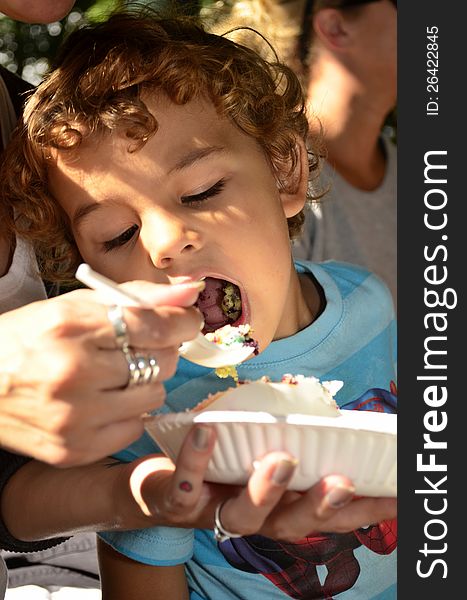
x: 359, y: 444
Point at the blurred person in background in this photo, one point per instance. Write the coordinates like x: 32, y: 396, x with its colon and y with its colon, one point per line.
x: 345, y: 52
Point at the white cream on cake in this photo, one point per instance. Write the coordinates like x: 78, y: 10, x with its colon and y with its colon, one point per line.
x: 295, y: 394
x: 229, y: 337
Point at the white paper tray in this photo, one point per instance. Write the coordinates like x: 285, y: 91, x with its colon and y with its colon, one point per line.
x: 359, y: 444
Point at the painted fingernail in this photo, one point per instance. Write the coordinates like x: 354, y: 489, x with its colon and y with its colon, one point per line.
x: 339, y: 496
x: 193, y: 285
x: 201, y: 437
x: 284, y: 471
x: 185, y: 486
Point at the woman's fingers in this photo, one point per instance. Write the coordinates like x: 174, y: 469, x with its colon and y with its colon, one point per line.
x: 66, y: 401
x: 166, y: 319
x: 174, y: 495
x: 112, y: 368
x: 162, y: 327
x: 92, y: 445
x: 265, y: 488
x: 66, y: 375
x: 330, y: 505
x: 310, y: 511
x: 362, y: 512
x: 330, y: 495
x: 267, y: 508
x: 152, y: 294
x: 192, y: 462
x: 171, y: 495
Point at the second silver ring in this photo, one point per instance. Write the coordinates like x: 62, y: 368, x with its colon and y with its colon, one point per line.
x: 142, y: 369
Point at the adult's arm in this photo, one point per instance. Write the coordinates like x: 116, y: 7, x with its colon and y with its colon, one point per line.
x: 59, y: 380
x: 40, y: 501
x: 9, y: 464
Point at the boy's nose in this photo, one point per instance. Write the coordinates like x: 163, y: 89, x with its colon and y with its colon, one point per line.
x: 169, y: 239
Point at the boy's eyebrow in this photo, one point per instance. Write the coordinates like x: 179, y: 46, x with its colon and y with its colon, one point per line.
x: 84, y: 211
x: 185, y: 161
x: 194, y: 156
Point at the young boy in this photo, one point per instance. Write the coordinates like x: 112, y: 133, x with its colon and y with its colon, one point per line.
x: 169, y: 154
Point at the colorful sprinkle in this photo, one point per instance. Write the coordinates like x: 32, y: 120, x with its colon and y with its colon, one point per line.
x: 185, y: 486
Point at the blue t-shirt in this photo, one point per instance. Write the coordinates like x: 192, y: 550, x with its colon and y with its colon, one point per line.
x: 353, y: 340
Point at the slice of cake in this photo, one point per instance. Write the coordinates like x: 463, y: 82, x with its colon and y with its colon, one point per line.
x: 294, y: 394
x: 228, y: 337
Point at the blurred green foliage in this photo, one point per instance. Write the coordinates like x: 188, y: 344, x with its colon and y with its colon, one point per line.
x: 27, y: 50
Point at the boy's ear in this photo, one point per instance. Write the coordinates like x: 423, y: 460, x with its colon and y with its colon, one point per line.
x: 330, y: 26
x: 293, y: 185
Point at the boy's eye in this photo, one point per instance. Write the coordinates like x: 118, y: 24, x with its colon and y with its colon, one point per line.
x: 212, y: 191
x: 121, y: 239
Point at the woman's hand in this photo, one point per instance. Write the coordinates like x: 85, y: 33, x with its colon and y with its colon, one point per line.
x: 176, y: 496
x: 152, y: 491
x: 62, y: 378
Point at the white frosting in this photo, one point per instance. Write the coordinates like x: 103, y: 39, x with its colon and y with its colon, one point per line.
x: 228, y: 335
x: 306, y: 396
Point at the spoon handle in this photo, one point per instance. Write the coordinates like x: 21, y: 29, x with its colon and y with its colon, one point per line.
x: 198, y: 350
x: 111, y: 290
x: 114, y: 293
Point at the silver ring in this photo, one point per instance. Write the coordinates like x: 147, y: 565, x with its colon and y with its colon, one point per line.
x: 148, y: 368
x: 142, y: 369
x: 220, y: 533
x: 116, y: 318
x: 133, y: 370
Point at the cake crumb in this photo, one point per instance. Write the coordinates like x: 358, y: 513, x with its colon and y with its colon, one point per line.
x: 224, y: 372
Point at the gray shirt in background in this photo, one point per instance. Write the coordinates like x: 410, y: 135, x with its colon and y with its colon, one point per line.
x: 353, y: 225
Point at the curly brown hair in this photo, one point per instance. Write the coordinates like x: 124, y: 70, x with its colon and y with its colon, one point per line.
x: 95, y: 88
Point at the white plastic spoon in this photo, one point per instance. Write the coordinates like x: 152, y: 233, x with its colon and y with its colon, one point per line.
x: 199, y: 350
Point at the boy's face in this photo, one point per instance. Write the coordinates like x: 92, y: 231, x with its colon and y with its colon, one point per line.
x: 198, y: 200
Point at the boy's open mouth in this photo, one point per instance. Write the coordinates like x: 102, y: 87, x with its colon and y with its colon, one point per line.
x: 220, y: 302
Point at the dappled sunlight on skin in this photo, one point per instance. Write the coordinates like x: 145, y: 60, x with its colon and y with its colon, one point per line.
x: 160, y: 466
x: 231, y: 213
x: 178, y: 206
